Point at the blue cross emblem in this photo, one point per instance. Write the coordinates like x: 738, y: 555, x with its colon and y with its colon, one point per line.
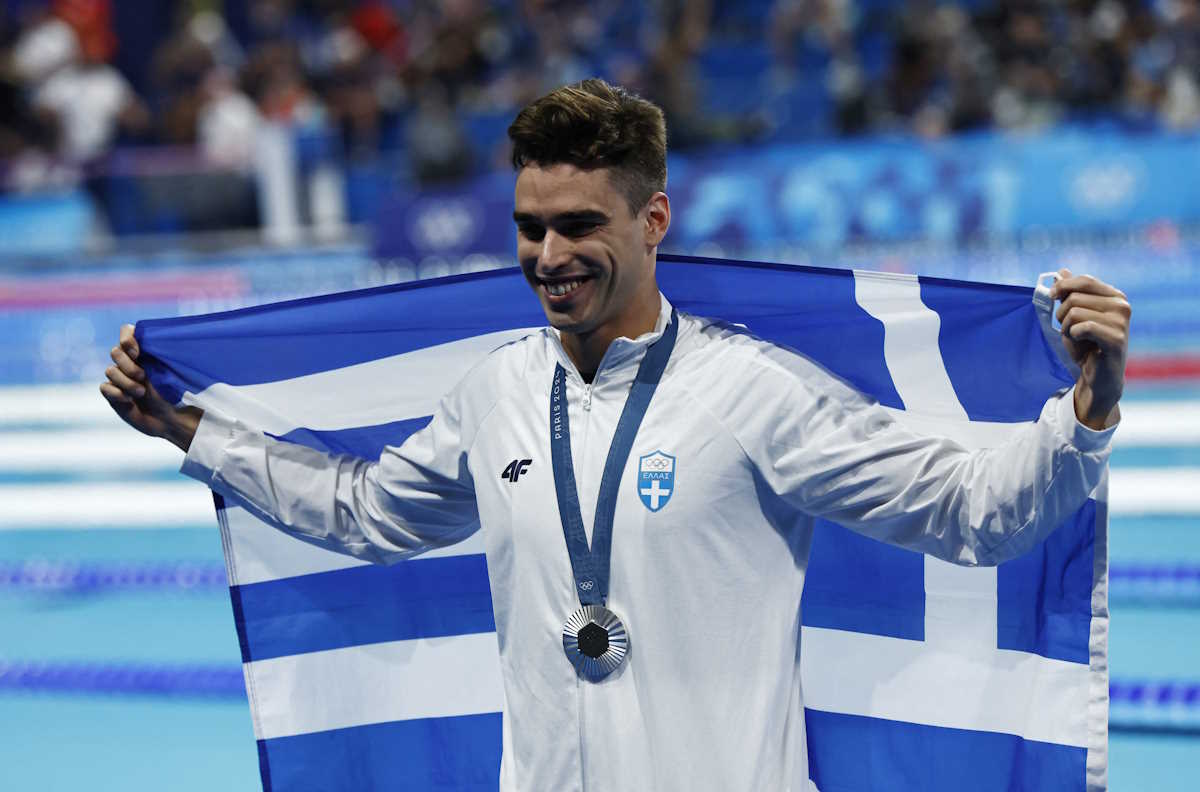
x: 656, y: 479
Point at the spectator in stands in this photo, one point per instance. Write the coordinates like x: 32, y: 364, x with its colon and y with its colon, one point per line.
x: 87, y: 98
x: 350, y: 73
x: 212, y: 125
x: 673, y: 81
x: 181, y: 68
x: 438, y: 149
x: 274, y: 78
x: 27, y: 163
x: 1164, y: 68
x: 46, y: 45
x: 227, y: 122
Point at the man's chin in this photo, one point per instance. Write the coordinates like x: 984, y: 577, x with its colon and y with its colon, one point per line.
x: 564, y: 322
x: 567, y: 319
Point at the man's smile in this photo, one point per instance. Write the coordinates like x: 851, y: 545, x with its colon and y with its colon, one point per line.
x: 562, y: 291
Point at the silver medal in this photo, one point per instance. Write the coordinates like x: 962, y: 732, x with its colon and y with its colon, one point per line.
x: 595, y: 641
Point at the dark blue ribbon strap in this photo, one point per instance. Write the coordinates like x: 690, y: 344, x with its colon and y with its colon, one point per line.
x: 587, y: 585
x: 591, y: 566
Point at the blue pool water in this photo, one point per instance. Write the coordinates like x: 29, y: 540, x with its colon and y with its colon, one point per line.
x: 54, y: 741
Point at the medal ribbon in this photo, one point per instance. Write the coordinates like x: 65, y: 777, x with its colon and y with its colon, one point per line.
x: 591, y: 566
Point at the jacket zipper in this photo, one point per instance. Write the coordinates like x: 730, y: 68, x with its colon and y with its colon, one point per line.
x: 586, y: 404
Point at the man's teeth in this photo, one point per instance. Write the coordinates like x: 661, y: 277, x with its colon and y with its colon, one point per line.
x: 559, y: 289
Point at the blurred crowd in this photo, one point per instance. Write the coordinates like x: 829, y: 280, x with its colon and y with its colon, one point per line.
x: 433, y: 83
x: 1021, y: 65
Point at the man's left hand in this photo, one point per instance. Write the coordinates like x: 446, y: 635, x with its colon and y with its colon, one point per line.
x: 1095, y: 330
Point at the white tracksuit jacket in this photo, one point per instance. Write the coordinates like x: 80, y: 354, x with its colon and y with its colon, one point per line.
x: 709, y: 586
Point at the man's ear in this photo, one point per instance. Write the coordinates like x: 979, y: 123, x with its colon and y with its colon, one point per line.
x: 658, y: 218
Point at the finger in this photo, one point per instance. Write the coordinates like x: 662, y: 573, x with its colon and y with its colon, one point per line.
x: 123, y: 381
x: 114, y: 394
x: 1109, y: 339
x: 1063, y: 274
x: 1097, y: 301
x: 1083, y: 283
x: 128, y: 342
x: 1117, y: 306
x: 126, y: 364
x: 1079, y: 315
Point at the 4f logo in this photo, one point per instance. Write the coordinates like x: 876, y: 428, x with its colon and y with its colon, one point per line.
x: 515, y: 469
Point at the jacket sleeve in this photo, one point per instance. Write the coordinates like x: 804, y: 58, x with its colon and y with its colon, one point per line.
x: 833, y: 453
x: 415, y: 496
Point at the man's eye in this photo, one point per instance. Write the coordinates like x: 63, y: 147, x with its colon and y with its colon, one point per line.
x: 531, y: 232
x: 578, y: 229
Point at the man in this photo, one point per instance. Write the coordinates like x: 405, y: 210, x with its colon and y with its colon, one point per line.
x: 649, y: 623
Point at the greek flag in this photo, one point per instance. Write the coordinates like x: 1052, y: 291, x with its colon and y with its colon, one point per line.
x: 917, y: 674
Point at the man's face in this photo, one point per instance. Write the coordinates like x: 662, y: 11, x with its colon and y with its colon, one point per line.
x: 581, y: 249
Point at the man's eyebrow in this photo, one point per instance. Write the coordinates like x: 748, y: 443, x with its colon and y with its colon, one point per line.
x: 581, y: 215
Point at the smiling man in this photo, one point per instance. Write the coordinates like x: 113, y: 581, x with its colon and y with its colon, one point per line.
x: 590, y: 213
x: 648, y: 547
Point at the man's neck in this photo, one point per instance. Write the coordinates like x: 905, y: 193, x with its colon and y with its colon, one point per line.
x: 586, y: 350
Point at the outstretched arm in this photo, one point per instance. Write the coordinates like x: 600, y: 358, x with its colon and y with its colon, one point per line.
x: 414, y: 497
x: 832, y: 453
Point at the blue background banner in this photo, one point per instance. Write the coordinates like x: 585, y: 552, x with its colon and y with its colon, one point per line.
x: 957, y: 190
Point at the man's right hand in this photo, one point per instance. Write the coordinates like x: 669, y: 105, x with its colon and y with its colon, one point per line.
x: 137, y: 402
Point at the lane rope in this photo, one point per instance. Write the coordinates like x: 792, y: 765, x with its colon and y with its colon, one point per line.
x: 169, y: 681
x: 1167, y: 584
x: 1159, y: 693
x: 94, y: 577
x: 1136, y: 706
x: 1154, y: 707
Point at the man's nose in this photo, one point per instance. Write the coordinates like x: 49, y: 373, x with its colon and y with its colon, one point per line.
x: 556, y: 250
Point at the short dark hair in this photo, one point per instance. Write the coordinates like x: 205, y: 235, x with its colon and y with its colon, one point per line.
x: 592, y: 124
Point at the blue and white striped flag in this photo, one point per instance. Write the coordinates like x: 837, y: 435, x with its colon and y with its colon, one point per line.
x: 918, y: 675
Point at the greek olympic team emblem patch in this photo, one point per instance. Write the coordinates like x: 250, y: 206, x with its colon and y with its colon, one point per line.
x: 656, y: 479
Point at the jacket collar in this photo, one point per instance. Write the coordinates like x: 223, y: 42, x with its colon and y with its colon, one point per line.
x: 623, y: 353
